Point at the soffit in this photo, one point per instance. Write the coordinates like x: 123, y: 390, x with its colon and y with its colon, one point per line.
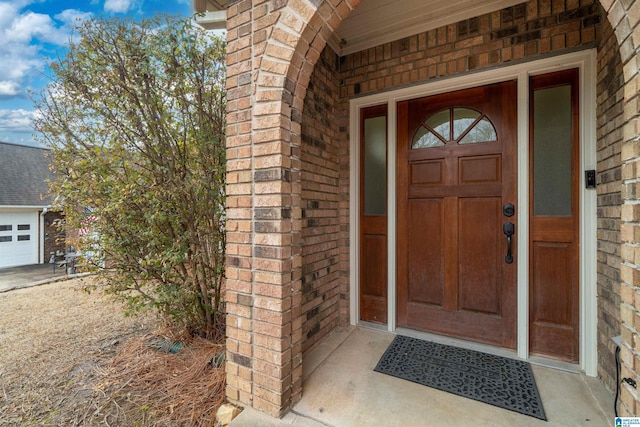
x: 209, y: 5
x: 213, y: 13
x: 375, y: 22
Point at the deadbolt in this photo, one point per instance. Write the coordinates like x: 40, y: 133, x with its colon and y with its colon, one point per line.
x: 508, y: 210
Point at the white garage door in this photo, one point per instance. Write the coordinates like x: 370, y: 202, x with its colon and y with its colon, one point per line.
x: 18, y: 238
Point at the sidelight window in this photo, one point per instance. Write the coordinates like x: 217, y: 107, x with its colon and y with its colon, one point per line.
x: 374, y: 138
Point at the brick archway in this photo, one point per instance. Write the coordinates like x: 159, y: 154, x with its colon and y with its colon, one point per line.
x: 273, y: 48
x: 624, y: 18
x: 272, y: 51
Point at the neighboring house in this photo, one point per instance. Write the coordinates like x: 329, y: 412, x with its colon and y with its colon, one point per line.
x: 28, y: 231
x: 378, y: 151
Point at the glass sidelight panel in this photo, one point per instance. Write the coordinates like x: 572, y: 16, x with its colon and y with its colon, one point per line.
x: 372, y: 254
x: 554, y: 221
x: 552, y: 151
x: 375, y: 166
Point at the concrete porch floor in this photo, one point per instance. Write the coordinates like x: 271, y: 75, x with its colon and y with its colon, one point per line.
x: 341, y: 389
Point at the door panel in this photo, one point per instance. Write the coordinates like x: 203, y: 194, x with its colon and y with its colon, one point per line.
x: 456, y: 168
x: 374, y: 276
x: 478, y: 278
x: 486, y: 169
x: 426, y: 251
x: 554, y: 218
x: 551, y: 304
x: 431, y: 172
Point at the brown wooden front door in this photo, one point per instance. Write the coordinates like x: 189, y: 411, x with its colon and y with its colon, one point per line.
x: 456, y: 176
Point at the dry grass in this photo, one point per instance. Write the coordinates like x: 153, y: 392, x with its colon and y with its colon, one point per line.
x: 72, y: 358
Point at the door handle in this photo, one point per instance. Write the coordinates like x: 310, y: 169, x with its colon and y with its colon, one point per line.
x: 508, y: 229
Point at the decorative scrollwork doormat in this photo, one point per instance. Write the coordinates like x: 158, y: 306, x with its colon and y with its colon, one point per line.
x: 499, y: 381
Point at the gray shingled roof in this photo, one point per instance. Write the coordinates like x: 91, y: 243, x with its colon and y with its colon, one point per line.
x: 23, y: 171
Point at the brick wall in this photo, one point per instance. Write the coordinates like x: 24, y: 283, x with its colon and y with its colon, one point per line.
x: 625, y: 19
x: 54, y: 237
x: 322, y: 155
x: 517, y: 33
x: 272, y: 47
x: 609, y: 144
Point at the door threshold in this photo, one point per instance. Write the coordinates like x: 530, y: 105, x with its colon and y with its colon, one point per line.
x: 545, y: 362
x: 457, y: 342
x: 470, y: 345
x: 374, y: 326
x: 490, y: 349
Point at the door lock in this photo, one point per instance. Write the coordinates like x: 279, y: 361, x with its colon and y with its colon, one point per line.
x: 508, y: 210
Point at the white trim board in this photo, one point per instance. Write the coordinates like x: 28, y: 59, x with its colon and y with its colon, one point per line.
x: 584, y: 60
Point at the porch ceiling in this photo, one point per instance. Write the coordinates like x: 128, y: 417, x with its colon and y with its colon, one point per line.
x: 215, y: 13
x: 380, y: 21
x: 209, y: 5
x: 375, y: 22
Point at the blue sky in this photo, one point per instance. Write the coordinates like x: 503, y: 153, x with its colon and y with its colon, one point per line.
x: 33, y: 32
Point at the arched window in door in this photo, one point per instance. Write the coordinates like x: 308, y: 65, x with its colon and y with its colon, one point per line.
x: 454, y: 125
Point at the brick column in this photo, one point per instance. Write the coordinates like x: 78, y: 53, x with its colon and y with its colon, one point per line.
x: 271, y: 52
x: 239, y: 266
x: 630, y: 254
x: 264, y: 361
x: 625, y: 20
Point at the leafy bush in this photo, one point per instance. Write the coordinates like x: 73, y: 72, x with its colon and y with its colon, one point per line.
x: 135, y: 118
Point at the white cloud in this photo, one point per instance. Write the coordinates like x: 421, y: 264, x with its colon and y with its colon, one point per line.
x: 23, y: 35
x: 118, y: 6
x: 17, y: 61
x: 9, y: 89
x: 29, y: 26
x: 72, y: 17
x: 16, y: 120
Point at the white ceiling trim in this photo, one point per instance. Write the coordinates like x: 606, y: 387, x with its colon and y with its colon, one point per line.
x: 376, y: 22
x: 213, y: 20
x: 209, y: 5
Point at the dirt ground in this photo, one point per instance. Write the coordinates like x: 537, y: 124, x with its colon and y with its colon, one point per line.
x: 70, y: 358
x: 54, y: 339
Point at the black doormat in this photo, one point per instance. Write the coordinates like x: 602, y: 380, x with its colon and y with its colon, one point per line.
x: 499, y: 381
